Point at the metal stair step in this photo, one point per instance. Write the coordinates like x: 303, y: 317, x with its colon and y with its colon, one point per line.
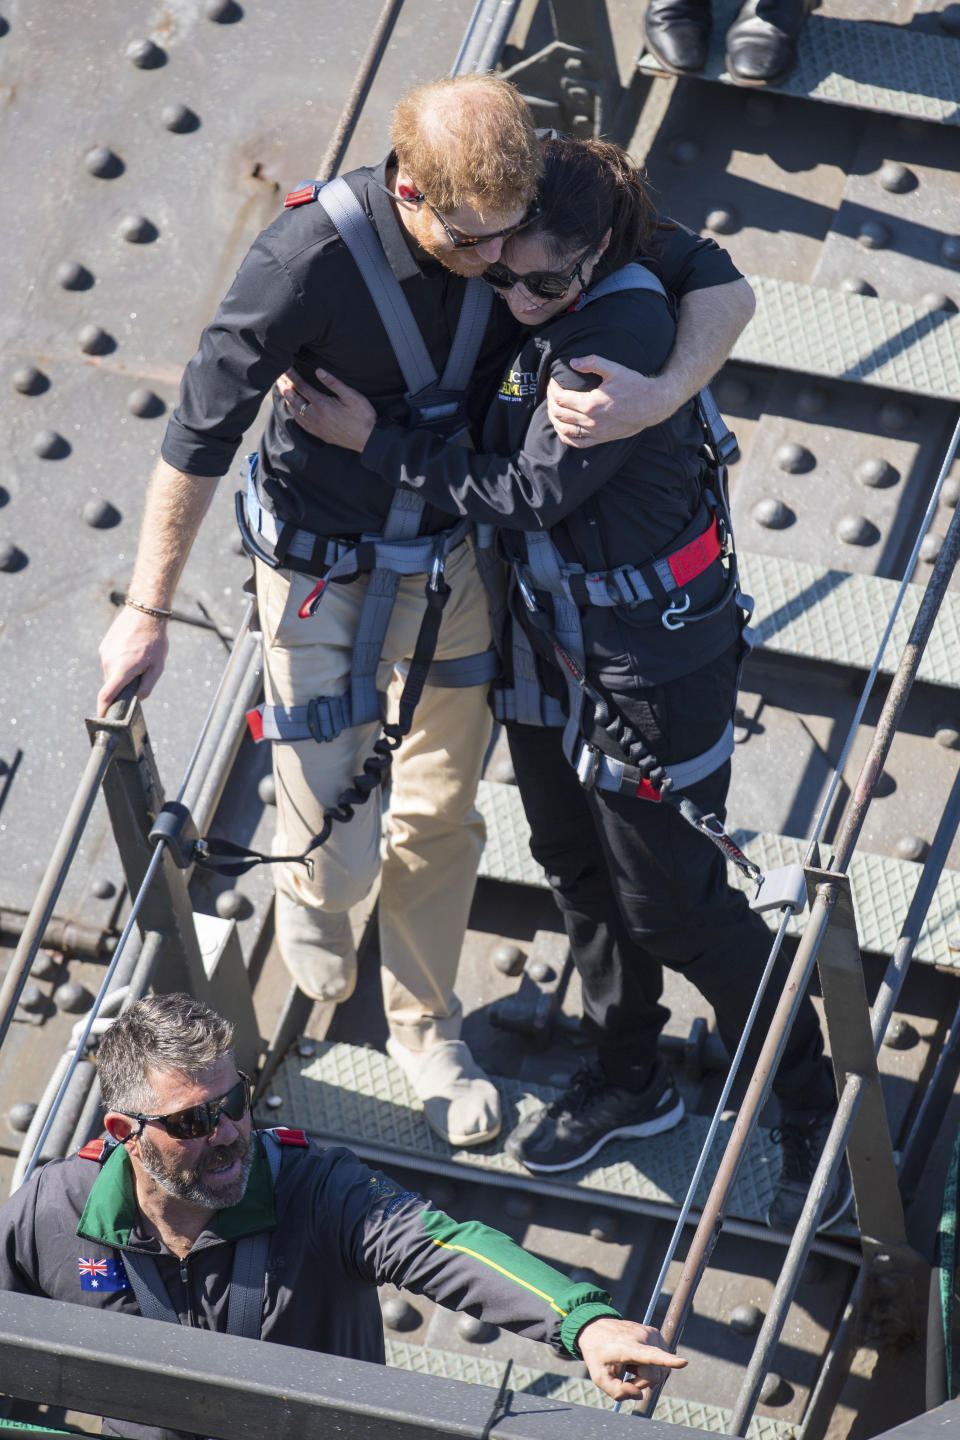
x: 817, y: 331
x: 889, y: 68
x: 480, y: 1370
x: 882, y: 887
x: 358, y: 1096
x: 839, y: 617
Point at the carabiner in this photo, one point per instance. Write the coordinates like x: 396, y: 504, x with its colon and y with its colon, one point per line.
x: 673, y: 609
x: 436, y: 574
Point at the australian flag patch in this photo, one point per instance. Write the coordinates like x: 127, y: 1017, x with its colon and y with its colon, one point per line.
x: 102, y: 1274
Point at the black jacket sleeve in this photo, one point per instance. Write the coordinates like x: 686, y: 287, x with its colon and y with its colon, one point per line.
x: 547, y: 480
x: 686, y: 261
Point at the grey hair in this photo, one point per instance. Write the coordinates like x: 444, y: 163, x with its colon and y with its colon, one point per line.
x: 174, y: 1034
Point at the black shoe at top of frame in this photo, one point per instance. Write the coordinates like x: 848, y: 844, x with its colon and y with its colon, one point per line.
x: 574, y: 1126
x: 677, y: 33
x: 762, y: 41
x: 802, y: 1143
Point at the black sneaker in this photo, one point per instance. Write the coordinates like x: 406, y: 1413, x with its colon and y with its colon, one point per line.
x: 802, y: 1143
x: 572, y: 1128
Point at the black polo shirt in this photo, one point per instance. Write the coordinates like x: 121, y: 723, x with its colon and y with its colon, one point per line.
x: 298, y: 301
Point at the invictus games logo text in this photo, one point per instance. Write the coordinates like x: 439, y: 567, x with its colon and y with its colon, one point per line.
x: 518, y: 383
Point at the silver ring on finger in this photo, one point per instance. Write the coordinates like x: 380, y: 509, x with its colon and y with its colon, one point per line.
x: 302, y: 409
x: 579, y: 432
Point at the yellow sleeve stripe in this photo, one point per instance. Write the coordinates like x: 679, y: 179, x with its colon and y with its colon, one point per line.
x: 517, y: 1280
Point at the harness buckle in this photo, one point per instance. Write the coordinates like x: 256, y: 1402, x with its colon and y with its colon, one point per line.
x: 588, y: 763
x: 436, y: 574
x: 529, y: 599
x: 668, y: 620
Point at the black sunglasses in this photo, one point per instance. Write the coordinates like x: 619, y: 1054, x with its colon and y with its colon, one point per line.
x: 459, y: 241
x: 544, y: 284
x: 196, y: 1121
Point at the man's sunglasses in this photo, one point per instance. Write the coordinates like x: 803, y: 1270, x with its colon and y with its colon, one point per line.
x: 197, y: 1121
x: 459, y: 241
x: 544, y: 284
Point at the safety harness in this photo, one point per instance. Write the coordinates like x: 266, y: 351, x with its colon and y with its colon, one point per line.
x: 245, y: 1305
x: 437, y: 403
x: 613, y: 756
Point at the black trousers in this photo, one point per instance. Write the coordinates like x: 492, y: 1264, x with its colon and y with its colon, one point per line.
x: 639, y: 889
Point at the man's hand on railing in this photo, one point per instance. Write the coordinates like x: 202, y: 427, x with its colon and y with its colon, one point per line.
x: 610, y: 1346
x: 135, y: 644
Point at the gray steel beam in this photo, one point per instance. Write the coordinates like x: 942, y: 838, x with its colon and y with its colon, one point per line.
x: 218, y: 1385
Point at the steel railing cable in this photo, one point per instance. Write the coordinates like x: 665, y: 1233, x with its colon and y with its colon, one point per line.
x: 881, y: 650
x: 147, y: 881
x: 711, y: 1134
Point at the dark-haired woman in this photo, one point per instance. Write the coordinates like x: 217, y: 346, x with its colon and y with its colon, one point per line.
x: 638, y: 887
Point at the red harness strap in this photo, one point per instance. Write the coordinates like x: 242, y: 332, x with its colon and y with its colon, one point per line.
x: 292, y: 1137
x: 303, y: 196
x: 698, y: 555
x: 94, y: 1150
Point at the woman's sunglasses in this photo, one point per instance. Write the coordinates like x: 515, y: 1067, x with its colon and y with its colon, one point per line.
x: 197, y: 1121
x: 544, y: 284
x: 459, y: 241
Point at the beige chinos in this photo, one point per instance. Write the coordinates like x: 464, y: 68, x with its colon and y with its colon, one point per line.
x: 434, y: 833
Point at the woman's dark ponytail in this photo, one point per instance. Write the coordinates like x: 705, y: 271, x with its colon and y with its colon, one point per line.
x: 590, y: 187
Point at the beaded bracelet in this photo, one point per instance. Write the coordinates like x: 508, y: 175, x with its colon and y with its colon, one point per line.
x: 148, y: 609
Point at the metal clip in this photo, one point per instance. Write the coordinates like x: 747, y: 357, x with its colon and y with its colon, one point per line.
x: 529, y: 599
x: 673, y: 609
x: 436, y: 574
x: 588, y: 763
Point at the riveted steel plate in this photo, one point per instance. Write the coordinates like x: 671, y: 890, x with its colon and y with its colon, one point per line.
x: 852, y: 337
x: 848, y: 61
x: 839, y: 617
x: 882, y: 887
x: 478, y: 1370
x: 355, y: 1094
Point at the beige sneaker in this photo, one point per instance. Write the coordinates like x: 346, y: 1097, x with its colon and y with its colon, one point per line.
x: 460, y: 1103
x: 317, y: 948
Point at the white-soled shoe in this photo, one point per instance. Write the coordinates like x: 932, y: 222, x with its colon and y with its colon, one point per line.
x: 317, y: 948
x: 460, y: 1103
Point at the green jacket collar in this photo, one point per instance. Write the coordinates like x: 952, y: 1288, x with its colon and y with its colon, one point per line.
x: 111, y: 1213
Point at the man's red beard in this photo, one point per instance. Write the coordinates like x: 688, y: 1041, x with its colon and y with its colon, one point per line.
x: 464, y: 261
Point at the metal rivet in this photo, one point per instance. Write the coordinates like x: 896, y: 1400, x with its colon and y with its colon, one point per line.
x: 950, y: 19
x: 399, y: 1314
x: 773, y: 514
x: 603, y: 1228
x: 50, y: 445
x: 794, y: 459
x: 911, y: 847
x: 21, y: 1115
x: 72, y: 997
x: 44, y: 966
x: 74, y: 276
x: 32, y: 998
x: 896, y: 415
x: 94, y: 340
x: 950, y: 250
x: 857, y: 530
x: 146, y: 54
x: 761, y: 109
x: 877, y: 473
x: 179, y: 118
x: 950, y: 492
x: 746, y: 1319
x: 267, y: 790
x: 683, y: 151
x: 274, y: 1102
x: 103, y: 162
x: 856, y: 285
x: 223, y: 12
x: 305, y: 1049
x: 938, y: 300
x: 137, y: 229
x: 873, y: 235
x: 722, y: 221
x: 897, y: 178
x: 732, y: 393
x: 541, y: 972
x: 4, y: 25
x: 145, y: 403
x: 518, y: 1206
x: 11, y: 557
x: 930, y: 547
x: 509, y: 959
x: 103, y: 889
x: 812, y: 400
x: 948, y: 736
x: 29, y: 380
x: 901, y: 1035
x: 4, y: 500
x: 233, y: 905
x: 477, y: 1332
x: 582, y: 122
x: 100, y: 515
x: 773, y: 1391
